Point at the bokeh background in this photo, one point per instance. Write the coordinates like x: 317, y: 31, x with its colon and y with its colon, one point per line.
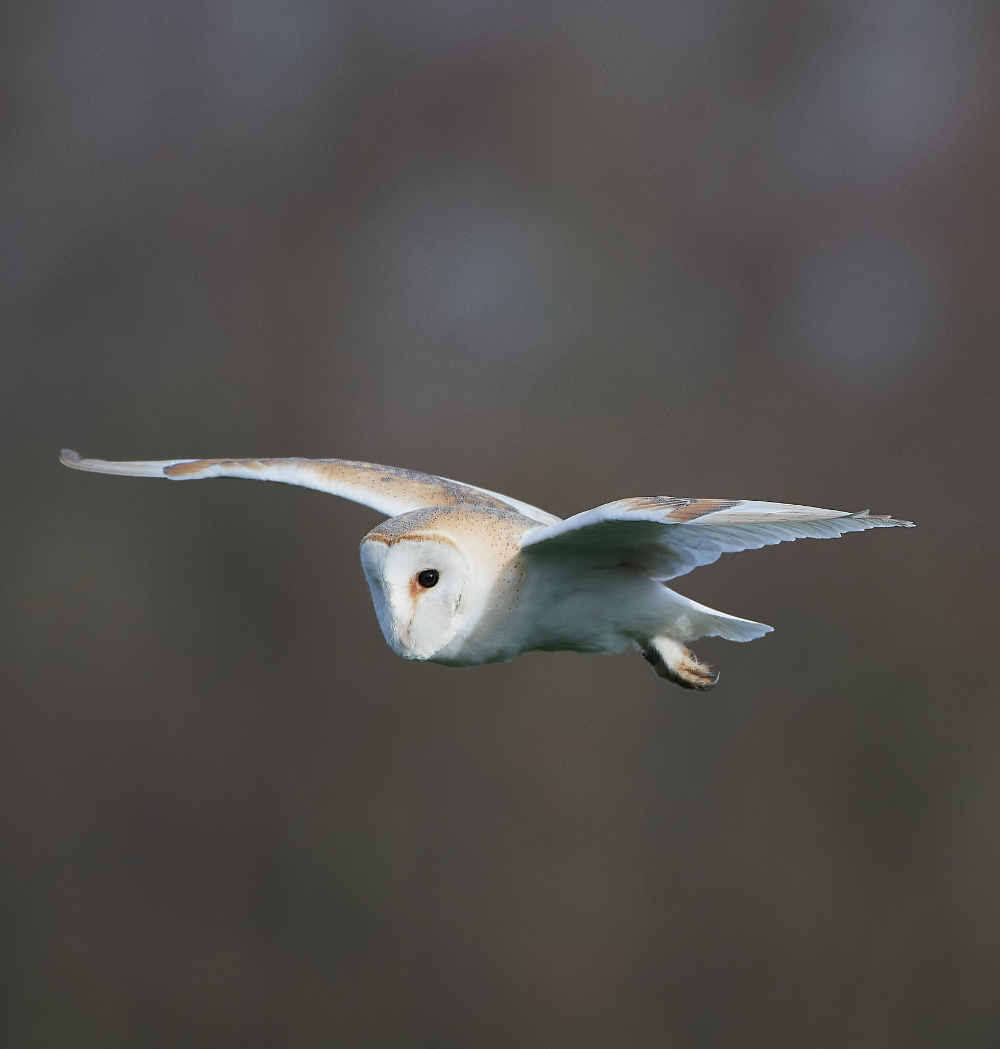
x: 568, y: 251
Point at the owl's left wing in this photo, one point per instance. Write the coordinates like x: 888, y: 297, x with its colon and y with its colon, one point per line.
x: 668, y: 537
x: 388, y: 489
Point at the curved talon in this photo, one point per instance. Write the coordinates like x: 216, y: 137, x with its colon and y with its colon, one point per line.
x: 676, y: 662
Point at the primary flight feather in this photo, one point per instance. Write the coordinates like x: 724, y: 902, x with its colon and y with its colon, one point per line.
x: 461, y: 575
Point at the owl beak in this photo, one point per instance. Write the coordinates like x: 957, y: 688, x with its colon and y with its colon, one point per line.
x: 402, y: 619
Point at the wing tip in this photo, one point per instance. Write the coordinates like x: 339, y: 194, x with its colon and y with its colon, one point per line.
x: 75, y: 461
x: 883, y: 520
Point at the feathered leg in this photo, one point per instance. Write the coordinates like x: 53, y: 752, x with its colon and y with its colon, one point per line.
x: 677, y: 663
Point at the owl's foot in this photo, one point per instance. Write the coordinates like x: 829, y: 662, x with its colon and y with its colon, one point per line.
x: 677, y: 663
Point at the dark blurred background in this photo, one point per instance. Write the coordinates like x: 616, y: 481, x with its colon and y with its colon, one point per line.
x: 570, y: 252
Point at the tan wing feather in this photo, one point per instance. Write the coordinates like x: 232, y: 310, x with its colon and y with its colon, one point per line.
x: 388, y: 489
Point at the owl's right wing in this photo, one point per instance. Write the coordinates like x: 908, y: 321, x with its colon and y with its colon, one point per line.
x: 387, y: 489
x: 667, y: 537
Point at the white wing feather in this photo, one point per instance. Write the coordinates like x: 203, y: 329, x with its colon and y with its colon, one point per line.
x: 667, y: 537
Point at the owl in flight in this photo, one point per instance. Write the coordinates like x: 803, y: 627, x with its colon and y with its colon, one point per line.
x: 461, y: 576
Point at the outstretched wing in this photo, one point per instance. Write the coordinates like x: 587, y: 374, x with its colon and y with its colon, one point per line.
x: 667, y: 537
x: 387, y: 489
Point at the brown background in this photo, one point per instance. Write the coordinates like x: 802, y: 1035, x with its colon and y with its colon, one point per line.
x: 566, y: 251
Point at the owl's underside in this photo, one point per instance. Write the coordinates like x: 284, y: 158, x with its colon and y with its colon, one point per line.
x: 462, y: 576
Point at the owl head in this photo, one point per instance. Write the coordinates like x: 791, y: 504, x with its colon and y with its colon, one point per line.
x: 419, y: 577
x: 445, y: 581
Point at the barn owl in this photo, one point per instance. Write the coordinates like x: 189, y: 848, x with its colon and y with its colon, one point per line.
x: 460, y: 575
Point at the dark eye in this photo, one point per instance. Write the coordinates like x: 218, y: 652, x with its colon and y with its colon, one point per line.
x: 428, y: 578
